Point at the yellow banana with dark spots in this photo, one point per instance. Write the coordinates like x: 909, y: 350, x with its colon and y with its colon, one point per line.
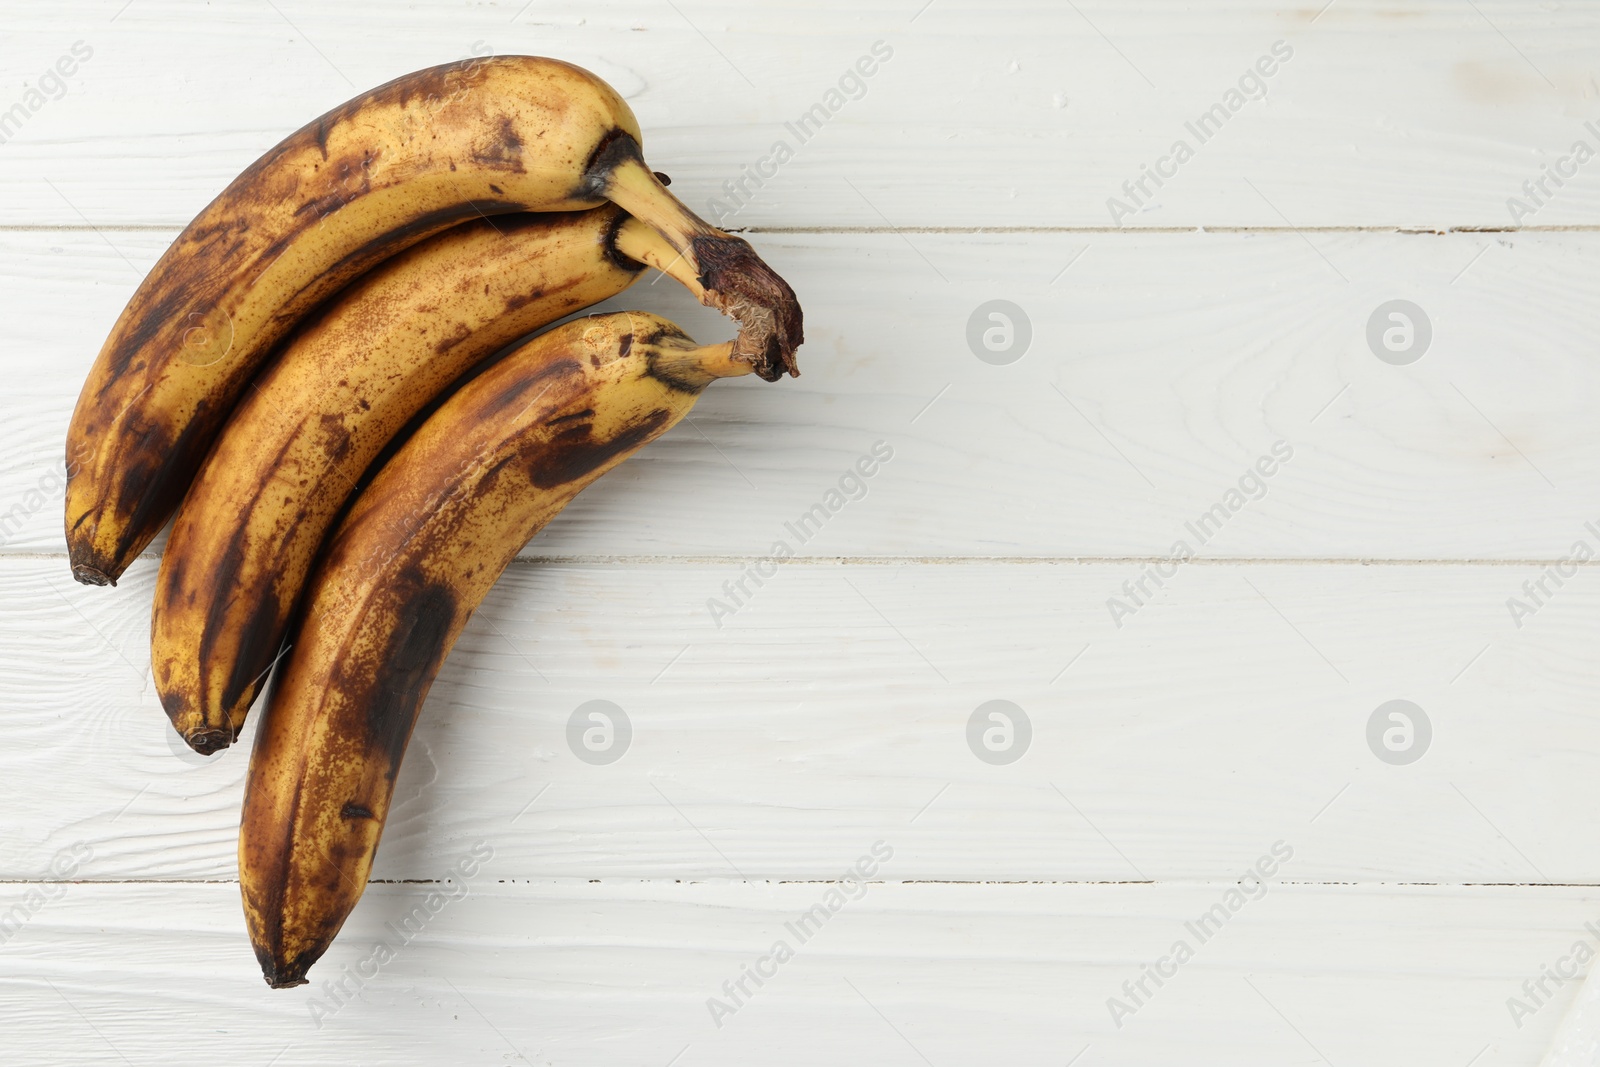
x: 399, y: 579
x: 363, y: 182
x: 341, y: 388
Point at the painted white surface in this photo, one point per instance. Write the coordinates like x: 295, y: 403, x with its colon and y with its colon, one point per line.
x: 620, y: 972
x: 1162, y: 367
x: 809, y: 722
x: 1577, y: 1040
x: 1032, y: 113
x: 830, y: 711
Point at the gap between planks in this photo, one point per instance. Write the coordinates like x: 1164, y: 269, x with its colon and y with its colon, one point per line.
x: 1194, y: 882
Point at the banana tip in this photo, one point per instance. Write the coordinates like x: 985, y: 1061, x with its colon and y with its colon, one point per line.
x: 88, y: 574
x: 208, y: 742
x: 284, y: 974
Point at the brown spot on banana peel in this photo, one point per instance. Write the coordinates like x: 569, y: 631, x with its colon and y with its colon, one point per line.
x: 504, y: 150
x: 162, y: 310
x: 574, y: 452
x: 576, y: 416
x: 668, y: 333
x: 260, y: 640
x: 407, y: 666
x: 386, y: 244
x: 525, y: 389
x: 322, y: 135
x: 459, y: 334
x: 154, y: 446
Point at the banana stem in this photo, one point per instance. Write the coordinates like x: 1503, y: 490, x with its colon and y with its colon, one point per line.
x: 696, y: 366
x: 644, y: 244
x: 635, y: 188
x: 729, y: 274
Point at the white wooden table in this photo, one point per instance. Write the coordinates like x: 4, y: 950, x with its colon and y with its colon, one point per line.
x: 1179, y: 734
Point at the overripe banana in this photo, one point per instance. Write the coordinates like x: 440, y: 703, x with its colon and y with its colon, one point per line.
x: 400, y: 578
x: 344, y: 384
x: 363, y: 182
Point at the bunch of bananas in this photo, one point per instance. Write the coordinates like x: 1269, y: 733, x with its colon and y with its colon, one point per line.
x: 300, y: 380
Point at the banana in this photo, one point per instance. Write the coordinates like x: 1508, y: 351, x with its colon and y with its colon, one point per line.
x: 399, y: 579
x: 363, y: 182
x: 344, y: 384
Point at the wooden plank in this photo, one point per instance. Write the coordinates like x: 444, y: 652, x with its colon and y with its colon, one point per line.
x: 1178, y: 733
x: 1420, y: 114
x: 1161, y: 368
x: 622, y: 973
x: 1234, y: 707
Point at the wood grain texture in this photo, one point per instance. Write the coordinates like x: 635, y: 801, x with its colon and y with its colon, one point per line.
x: 834, y: 706
x: 905, y: 974
x: 1161, y: 368
x: 1420, y: 114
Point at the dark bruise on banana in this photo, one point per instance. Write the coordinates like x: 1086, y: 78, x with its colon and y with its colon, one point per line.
x: 369, y: 179
x: 342, y: 387
x: 400, y: 579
